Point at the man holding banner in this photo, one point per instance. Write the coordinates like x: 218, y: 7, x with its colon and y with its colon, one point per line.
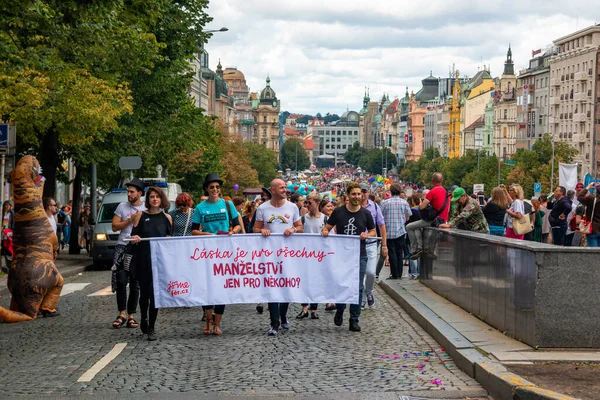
x: 352, y: 219
x: 278, y: 216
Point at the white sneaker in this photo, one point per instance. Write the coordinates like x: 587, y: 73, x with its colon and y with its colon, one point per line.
x: 272, y: 332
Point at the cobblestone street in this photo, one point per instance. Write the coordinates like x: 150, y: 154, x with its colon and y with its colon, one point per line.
x: 392, y: 353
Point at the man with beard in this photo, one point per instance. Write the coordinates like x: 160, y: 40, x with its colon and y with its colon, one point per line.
x: 126, y: 215
x: 352, y: 219
x: 278, y: 216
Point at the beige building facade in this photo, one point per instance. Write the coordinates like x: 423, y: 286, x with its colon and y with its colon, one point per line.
x: 505, y: 111
x: 265, y: 110
x: 574, y: 94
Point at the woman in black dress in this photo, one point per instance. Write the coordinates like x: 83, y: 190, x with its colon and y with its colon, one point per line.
x: 154, y: 222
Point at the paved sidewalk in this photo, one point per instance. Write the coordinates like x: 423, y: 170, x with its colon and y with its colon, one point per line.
x: 392, y: 356
x: 477, y: 348
x: 67, y: 264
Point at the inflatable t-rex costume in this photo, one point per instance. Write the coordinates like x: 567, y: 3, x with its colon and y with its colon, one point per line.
x: 33, y: 280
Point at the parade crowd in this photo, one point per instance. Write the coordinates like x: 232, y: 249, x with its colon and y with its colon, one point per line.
x: 388, y: 216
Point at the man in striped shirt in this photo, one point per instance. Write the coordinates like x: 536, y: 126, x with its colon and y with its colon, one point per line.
x: 396, y: 212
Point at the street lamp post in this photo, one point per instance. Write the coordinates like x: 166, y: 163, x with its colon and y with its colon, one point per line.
x: 223, y: 29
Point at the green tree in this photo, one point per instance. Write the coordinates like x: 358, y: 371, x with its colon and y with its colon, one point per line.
x: 354, y: 154
x: 374, y: 162
x: 63, y: 72
x: 294, y: 156
x: 264, y: 161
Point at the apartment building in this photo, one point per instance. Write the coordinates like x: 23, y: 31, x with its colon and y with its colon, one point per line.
x: 574, y: 94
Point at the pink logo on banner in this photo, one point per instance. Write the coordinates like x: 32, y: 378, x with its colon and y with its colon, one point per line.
x: 179, y: 288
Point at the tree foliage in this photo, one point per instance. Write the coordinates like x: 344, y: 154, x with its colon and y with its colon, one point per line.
x: 354, y: 153
x: 264, y: 161
x: 236, y: 166
x: 474, y: 167
x: 93, y: 81
x: 376, y: 159
x: 294, y: 156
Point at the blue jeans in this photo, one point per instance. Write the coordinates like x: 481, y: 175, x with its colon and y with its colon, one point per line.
x: 355, y: 308
x: 593, y: 240
x: 278, y: 314
x: 558, y: 235
x: 373, y: 250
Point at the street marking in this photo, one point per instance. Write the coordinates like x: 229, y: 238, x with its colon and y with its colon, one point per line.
x: 103, y: 362
x: 69, y: 288
x: 107, y: 291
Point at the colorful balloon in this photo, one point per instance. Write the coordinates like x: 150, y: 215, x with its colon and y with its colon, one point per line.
x: 236, y: 187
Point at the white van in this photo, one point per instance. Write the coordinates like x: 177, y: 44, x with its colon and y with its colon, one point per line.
x: 104, y: 240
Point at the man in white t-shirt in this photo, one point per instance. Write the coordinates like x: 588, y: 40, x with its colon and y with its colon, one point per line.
x: 278, y: 216
x: 51, y: 209
x: 126, y: 215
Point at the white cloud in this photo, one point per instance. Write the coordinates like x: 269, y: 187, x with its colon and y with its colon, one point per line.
x: 320, y: 55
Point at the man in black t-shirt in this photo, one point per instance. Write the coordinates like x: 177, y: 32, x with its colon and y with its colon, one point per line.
x: 352, y: 219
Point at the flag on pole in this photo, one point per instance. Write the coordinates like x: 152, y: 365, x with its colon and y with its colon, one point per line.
x: 567, y: 175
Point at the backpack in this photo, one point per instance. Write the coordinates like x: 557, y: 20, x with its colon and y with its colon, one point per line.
x: 61, y: 217
x: 430, y: 214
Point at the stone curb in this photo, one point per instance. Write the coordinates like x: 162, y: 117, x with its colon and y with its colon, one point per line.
x: 493, y: 376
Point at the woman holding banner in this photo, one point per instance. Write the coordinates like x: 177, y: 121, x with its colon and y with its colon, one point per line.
x: 154, y: 222
x: 312, y: 223
x: 214, y: 216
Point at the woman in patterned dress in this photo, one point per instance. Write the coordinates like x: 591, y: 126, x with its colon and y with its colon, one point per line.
x: 182, y: 215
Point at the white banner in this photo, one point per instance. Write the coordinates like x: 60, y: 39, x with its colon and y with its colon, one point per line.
x: 567, y: 175
x: 209, y: 270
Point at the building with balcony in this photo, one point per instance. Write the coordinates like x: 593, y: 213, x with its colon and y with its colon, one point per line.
x: 240, y: 91
x: 505, y: 110
x: 533, y: 101
x: 265, y: 111
x: 574, y: 94
x: 473, y: 135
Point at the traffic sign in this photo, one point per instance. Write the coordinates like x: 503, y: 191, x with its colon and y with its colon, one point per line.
x: 537, y: 189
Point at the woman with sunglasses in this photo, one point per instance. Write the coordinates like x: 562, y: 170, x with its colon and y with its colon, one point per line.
x: 214, y: 216
x: 182, y: 215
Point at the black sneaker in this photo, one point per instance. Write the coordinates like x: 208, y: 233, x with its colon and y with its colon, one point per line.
x: 354, y: 327
x: 151, y: 335
x: 259, y: 308
x: 338, y: 320
x: 303, y: 314
x: 313, y: 315
x: 144, y: 326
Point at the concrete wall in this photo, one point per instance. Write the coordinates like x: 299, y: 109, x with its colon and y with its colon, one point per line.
x: 540, y: 294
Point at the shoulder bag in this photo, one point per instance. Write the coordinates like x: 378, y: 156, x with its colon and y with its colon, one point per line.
x: 188, y: 221
x: 585, y: 226
x: 229, y: 215
x: 522, y: 226
x: 430, y: 214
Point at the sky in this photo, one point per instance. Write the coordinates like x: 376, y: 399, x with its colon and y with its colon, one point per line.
x: 321, y: 54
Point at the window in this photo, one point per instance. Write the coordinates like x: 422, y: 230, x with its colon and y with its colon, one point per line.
x: 264, y: 119
x: 339, y: 140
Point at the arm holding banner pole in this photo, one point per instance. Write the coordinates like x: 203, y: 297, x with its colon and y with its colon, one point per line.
x: 132, y: 239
